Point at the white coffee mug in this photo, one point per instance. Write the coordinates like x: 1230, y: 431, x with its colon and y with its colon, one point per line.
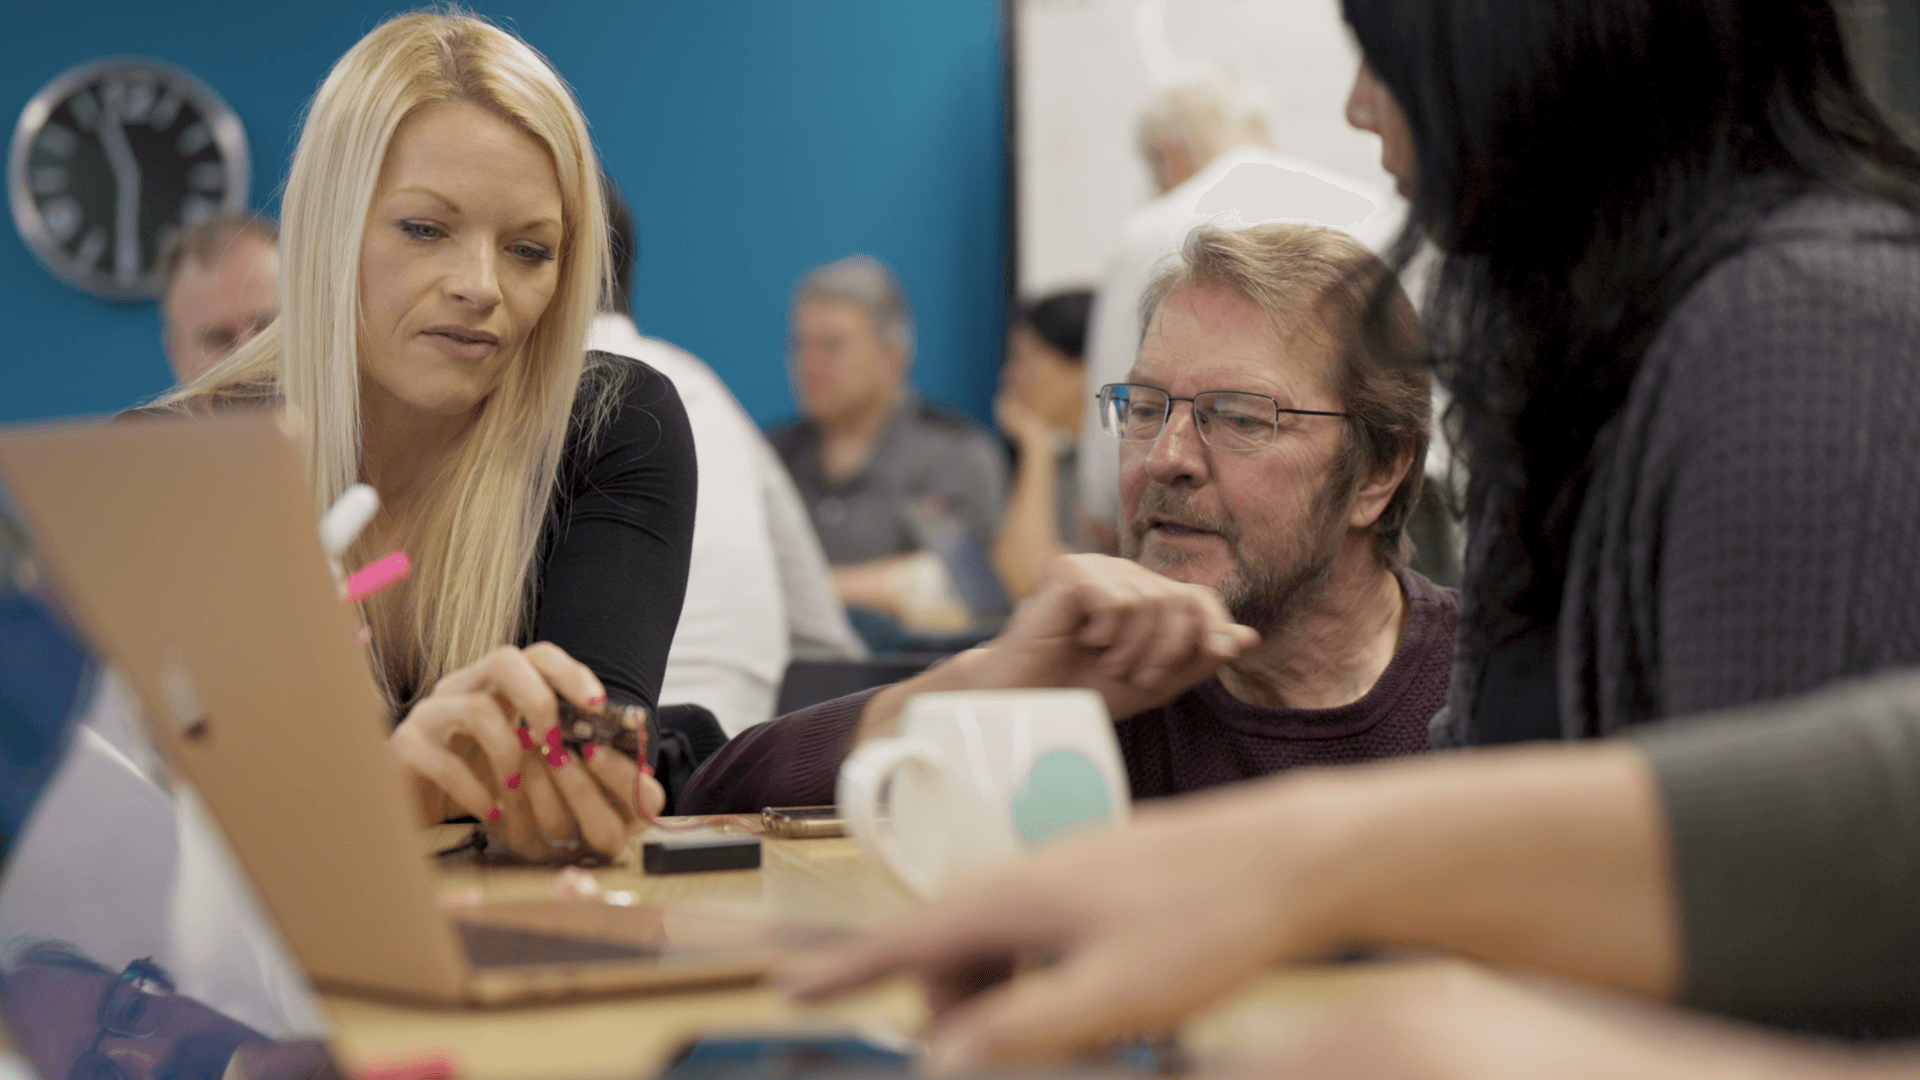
x: 979, y: 777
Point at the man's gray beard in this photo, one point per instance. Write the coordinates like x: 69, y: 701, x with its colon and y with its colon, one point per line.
x: 1269, y: 593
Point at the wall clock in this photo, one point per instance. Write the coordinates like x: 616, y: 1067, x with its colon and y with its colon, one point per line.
x: 114, y: 157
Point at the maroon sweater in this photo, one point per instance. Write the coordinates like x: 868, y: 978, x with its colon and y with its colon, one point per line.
x: 1201, y: 739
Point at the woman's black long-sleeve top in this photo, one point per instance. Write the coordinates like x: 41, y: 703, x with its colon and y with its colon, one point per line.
x: 611, y: 570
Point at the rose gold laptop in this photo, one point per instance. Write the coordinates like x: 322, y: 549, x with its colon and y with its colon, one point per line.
x: 189, y: 552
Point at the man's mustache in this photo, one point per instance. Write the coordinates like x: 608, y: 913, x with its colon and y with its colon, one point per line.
x: 1161, y: 500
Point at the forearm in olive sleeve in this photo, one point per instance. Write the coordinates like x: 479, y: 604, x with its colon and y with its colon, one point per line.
x: 1796, y: 839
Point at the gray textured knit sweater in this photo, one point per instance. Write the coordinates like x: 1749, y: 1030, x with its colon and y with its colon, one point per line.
x: 1749, y: 529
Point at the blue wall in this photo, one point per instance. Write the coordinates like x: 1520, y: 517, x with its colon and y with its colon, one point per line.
x: 754, y: 138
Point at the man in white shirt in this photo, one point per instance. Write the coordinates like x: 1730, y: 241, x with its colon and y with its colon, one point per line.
x: 759, y: 591
x: 1205, y: 144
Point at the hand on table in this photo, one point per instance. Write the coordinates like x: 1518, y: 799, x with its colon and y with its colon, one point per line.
x: 534, y: 795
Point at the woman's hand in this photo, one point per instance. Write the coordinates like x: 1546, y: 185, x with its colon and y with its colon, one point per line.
x: 465, y: 740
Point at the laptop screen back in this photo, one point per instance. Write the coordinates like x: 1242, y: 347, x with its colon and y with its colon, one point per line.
x: 126, y: 935
x: 189, y: 553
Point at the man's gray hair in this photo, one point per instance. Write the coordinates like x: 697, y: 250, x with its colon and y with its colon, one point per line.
x: 1208, y: 116
x: 866, y: 281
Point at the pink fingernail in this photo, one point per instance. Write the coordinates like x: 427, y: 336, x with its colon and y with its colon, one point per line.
x: 513, y: 782
x: 646, y: 768
x: 526, y: 738
x: 588, y: 750
x: 493, y: 813
x: 387, y: 570
x: 553, y: 738
x: 557, y: 758
x: 597, y: 699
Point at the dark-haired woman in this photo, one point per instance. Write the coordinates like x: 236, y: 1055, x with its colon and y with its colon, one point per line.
x: 1681, y: 286
x: 1040, y: 407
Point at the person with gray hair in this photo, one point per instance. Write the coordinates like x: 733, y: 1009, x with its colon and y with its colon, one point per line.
x: 877, y: 466
x: 222, y: 287
x: 1185, y: 126
x: 759, y: 591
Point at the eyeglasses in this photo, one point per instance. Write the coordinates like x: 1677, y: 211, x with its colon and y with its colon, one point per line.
x: 1227, y: 419
x: 126, y: 1011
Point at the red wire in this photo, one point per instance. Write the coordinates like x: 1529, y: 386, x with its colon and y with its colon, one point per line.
x: 646, y: 815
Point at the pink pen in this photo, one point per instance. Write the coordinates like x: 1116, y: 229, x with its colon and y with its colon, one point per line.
x: 382, y: 572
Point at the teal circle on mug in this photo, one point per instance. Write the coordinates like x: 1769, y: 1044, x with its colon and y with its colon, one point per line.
x: 1063, y: 789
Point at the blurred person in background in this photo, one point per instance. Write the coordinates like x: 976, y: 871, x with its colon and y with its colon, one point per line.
x: 1041, y: 409
x: 873, y: 461
x: 759, y: 592
x: 222, y: 287
x: 1206, y: 146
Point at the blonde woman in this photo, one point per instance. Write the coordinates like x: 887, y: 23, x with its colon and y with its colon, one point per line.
x: 444, y: 245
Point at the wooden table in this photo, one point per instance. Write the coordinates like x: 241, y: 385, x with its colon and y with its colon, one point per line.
x: 816, y: 881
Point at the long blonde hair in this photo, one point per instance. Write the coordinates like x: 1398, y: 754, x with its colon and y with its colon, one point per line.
x: 476, y: 530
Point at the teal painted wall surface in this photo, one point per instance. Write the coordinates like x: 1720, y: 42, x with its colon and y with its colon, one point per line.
x: 754, y: 138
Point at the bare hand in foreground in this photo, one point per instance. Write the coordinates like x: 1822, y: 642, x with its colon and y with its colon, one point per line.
x: 465, y: 741
x: 1549, y: 860
x: 1146, y: 924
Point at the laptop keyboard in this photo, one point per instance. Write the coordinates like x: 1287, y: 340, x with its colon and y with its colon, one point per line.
x: 502, y: 946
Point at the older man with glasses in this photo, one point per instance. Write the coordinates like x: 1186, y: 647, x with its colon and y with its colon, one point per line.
x: 1263, y: 616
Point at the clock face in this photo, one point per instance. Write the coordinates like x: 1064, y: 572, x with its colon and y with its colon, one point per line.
x: 111, y: 160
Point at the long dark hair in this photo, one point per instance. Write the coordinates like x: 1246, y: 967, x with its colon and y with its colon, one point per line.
x: 1581, y: 164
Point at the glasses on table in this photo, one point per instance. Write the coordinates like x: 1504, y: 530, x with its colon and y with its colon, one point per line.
x: 127, y: 1012
x: 1226, y: 419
